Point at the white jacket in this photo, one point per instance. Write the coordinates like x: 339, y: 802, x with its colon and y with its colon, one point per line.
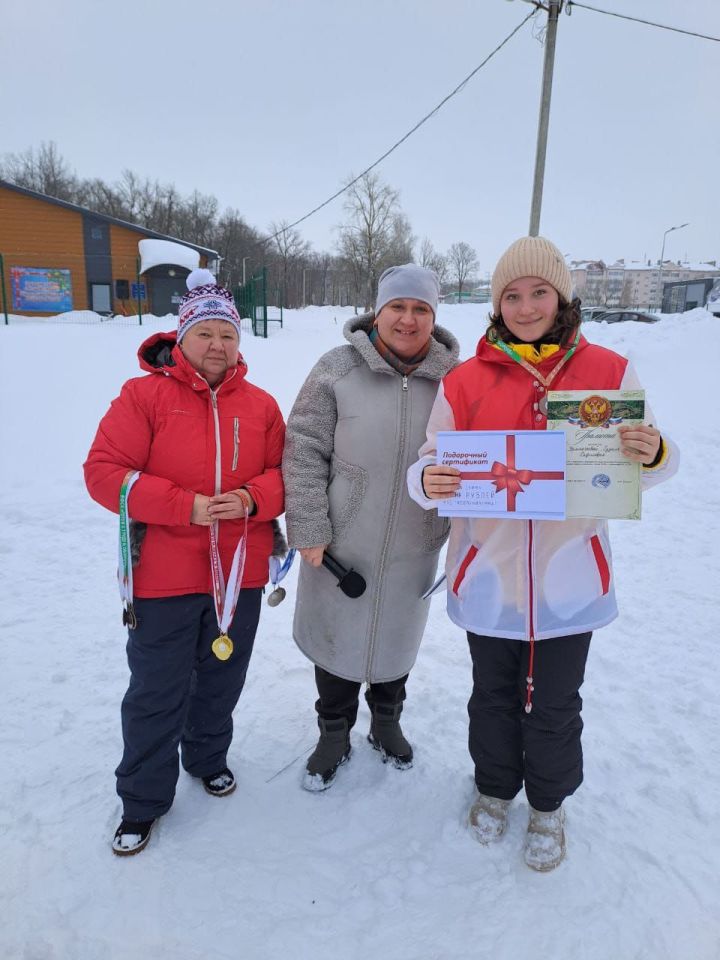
x: 525, y: 579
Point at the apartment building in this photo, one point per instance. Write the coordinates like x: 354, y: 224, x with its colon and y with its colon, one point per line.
x: 634, y: 284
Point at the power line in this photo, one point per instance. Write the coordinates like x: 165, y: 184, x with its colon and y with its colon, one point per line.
x: 650, y: 23
x: 402, y: 140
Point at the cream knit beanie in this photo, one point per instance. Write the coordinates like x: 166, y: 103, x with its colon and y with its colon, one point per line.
x: 531, y: 257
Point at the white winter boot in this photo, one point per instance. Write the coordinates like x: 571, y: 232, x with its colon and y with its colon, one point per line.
x: 545, y: 842
x: 487, y: 818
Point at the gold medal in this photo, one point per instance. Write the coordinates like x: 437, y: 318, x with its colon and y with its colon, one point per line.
x: 222, y: 647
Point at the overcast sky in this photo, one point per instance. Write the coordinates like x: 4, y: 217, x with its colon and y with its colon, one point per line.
x: 270, y: 105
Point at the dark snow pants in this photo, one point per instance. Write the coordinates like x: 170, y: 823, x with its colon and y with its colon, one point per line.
x: 542, y: 748
x: 179, y: 693
x: 339, y: 698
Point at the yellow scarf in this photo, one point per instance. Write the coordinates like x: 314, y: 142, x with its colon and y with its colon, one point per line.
x: 530, y: 353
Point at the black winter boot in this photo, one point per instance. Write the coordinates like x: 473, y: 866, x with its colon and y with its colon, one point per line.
x: 220, y: 784
x: 387, y: 737
x: 131, y: 837
x: 332, y: 750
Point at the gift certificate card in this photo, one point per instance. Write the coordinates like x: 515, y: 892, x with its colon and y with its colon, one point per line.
x: 515, y: 474
x: 601, y: 482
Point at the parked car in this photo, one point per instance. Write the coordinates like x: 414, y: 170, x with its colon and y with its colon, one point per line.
x: 592, y: 313
x: 618, y: 316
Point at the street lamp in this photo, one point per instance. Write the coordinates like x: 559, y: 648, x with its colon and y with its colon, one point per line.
x: 662, y: 257
x: 244, y: 260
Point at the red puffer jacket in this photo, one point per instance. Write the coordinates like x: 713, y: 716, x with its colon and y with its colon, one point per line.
x: 174, y: 429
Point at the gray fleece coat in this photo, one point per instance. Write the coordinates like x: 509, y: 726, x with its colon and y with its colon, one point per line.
x: 355, y: 428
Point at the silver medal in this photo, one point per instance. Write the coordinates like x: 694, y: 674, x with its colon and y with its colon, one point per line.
x: 276, y: 597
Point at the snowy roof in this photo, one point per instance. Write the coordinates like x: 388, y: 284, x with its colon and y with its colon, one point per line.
x: 154, y: 253
x: 707, y: 268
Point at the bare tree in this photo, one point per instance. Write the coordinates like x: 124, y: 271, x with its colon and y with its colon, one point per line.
x: 375, y: 232
x: 427, y: 253
x: 402, y: 242
x: 434, y: 260
x: 102, y: 198
x: 463, y: 261
x: 196, y: 218
x: 235, y: 241
x: 44, y: 171
x: 292, y: 252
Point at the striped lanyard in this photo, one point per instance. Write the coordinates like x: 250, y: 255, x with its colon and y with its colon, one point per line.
x: 125, y: 574
x: 533, y: 371
x: 222, y: 646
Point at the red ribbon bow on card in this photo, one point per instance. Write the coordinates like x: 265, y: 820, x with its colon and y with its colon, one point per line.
x: 508, y: 477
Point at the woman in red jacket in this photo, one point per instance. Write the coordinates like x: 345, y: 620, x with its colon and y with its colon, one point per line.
x: 189, y: 456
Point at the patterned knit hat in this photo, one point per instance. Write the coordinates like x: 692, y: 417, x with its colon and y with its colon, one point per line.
x: 531, y: 257
x: 205, y: 300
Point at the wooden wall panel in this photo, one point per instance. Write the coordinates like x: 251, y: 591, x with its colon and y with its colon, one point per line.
x: 124, y: 253
x: 34, y: 233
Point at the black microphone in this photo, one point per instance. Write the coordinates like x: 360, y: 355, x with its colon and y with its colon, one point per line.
x: 350, y: 582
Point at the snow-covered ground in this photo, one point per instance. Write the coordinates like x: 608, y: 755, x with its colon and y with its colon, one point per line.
x: 382, y: 864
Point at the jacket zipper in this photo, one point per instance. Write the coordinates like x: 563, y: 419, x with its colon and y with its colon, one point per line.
x: 531, y: 622
x: 531, y: 592
x: 218, y: 474
x: 389, y: 526
x: 216, y: 418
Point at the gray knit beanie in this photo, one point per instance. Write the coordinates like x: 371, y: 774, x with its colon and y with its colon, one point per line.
x: 531, y: 257
x: 408, y: 281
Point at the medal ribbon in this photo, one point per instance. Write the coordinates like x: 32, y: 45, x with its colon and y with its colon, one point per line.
x: 279, y: 569
x: 224, y: 611
x: 125, y: 575
x: 545, y: 381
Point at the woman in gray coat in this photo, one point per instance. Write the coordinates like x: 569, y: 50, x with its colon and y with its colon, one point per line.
x: 355, y: 428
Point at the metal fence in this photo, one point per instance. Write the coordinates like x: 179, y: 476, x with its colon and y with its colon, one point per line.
x: 251, y: 302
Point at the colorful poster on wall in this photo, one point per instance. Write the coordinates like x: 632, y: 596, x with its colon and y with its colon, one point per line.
x: 41, y: 290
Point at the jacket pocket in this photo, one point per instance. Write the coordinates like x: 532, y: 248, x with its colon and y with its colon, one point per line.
x: 236, y: 442
x: 577, y: 574
x: 475, y: 589
x: 346, y: 492
x: 601, y: 562
x: 461, y: 572
x: 435, y: 531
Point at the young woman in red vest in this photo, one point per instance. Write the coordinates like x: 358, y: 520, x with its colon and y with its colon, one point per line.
x: 513, y: 582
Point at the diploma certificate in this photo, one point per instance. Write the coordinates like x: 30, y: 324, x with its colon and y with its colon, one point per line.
x: 516, y: 474
x: 601, y: 482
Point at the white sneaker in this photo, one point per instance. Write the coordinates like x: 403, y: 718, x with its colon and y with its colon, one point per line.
x: 545, y: 842
x: 487, y: 818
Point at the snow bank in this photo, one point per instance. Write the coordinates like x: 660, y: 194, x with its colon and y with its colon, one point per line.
x: 382, y: 862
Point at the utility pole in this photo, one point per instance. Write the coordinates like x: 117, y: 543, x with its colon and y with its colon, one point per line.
x: 553, y: 10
